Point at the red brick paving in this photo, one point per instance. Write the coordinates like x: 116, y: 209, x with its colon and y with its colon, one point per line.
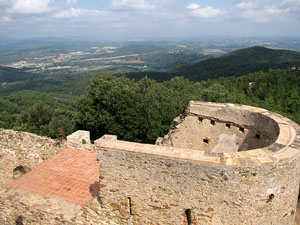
x: 72, y: 175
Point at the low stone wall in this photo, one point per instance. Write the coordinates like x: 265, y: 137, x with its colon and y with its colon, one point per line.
x: 22, y: 151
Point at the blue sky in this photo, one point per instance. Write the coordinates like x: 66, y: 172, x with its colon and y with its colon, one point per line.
x: 149, y: 19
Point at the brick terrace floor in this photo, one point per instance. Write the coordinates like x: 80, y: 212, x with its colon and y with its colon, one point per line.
x: 72, y: 175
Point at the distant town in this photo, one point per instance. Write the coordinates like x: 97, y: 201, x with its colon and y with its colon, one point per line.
x: 49, y: 58
x: 71, y: 61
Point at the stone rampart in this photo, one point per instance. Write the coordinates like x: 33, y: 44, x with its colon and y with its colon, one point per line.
x: 150, y: 184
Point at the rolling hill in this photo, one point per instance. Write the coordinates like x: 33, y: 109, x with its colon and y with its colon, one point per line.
x: 239, y: 62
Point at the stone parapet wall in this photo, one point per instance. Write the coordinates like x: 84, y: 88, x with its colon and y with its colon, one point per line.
x: 222, y: 128
x: 161, y: 189
x: 241, y: 115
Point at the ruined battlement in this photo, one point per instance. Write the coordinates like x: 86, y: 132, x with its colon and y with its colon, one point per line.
x: 252, y: 179
x: 220, y: 128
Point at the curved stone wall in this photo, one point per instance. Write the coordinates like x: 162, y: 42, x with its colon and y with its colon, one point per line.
x: 151, y: 184
x: 221, y: 128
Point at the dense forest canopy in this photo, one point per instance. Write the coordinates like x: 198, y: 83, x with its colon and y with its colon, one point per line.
x: 37, y: 112
x: 137, y: 111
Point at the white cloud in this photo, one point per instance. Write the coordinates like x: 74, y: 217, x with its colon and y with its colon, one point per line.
x: 203, y: 12
x: 292, y: 5
x: 75, y: 13
x: 148, y: 17
x: 70, y: 13
x: 261, y: 11
x: 291, y: 2
x: 275, y: 10
x: 71, y: 2
x: 30, y: 6
x: 193, y: 6
x: 246, y: 5
x: 131, y: 4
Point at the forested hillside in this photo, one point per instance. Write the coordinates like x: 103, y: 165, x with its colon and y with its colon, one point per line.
x: 239, y: 62
x: 47, y: 114
x: 170, y: 59
x: 8, y: 74
x: 72, y: 84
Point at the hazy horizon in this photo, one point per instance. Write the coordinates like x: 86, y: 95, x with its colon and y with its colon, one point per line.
x: 149, y: 19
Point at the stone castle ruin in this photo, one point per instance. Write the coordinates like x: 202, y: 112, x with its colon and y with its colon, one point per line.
x: 219, y: 164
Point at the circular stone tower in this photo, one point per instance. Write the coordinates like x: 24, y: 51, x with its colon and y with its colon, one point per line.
x: 220, y: 164
x: 259, y: 155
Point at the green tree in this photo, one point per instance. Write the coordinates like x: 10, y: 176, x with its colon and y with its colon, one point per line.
x: 135, y: 111
x: 36, y: 119
x: 62, y: 123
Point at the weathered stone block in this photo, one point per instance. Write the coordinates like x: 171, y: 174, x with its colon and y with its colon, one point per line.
x: 78, y: 138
